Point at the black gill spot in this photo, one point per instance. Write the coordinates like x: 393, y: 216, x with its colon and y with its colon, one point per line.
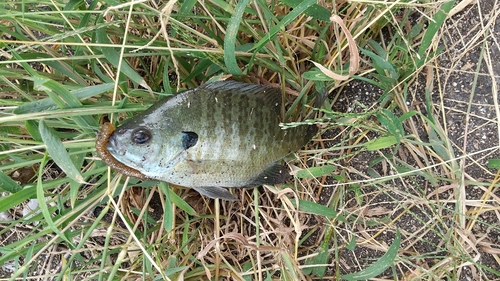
x: 141, y: 136
x: 189, y: 139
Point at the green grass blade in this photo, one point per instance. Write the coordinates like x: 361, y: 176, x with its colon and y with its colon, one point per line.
x: 179, y: 202
x: 40, y: 195
x: 61, y: 68
x: 33, y: 129
x: 49, y: 104
x: 494, y: 163
x: 315, y: 172
x: 391, y: 123
x: 381, y: 143
x: 8, y: 184
x: 114, y: 58
x: 318, y: 209
x: 168, y: 217
x: 321, y: 259
x: 315, y: 11
x: 59, y: 154
x: 64, y: 100
x: 230, y: 39
x: 431, y: 31
x: 299, y: 9
x: 290, y: 272
x: 380, y: 265
x: 187, y: 7
x: 10, y: 201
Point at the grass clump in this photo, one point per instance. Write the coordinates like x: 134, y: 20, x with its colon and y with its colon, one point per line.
x: 387, y: 190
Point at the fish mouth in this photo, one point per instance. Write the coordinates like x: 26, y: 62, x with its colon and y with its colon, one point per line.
x: 113, y: 146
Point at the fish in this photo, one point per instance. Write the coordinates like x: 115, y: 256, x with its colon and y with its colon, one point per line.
x: 217, y: 136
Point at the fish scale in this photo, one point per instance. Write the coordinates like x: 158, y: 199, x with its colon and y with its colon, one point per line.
x: 239, y: 141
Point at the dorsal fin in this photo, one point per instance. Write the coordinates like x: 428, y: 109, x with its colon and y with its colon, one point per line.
x: 268, y: 94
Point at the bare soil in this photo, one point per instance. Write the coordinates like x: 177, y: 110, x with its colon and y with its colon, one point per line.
x: 464, y: 90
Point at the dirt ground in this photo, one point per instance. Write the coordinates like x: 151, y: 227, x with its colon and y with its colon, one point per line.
x: 464, y: 88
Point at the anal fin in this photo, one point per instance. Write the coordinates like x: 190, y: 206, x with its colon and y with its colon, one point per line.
x: 216, y: 192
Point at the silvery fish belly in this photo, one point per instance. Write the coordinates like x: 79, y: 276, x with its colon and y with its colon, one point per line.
x: 217, y: 136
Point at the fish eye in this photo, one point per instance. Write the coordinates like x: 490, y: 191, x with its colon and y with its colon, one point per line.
x: 141, y: 136
x: 189, y: 139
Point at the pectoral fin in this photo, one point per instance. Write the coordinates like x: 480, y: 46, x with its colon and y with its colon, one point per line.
x: 216, y: 192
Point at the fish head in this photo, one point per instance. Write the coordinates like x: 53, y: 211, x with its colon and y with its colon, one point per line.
x: 150, y: 148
